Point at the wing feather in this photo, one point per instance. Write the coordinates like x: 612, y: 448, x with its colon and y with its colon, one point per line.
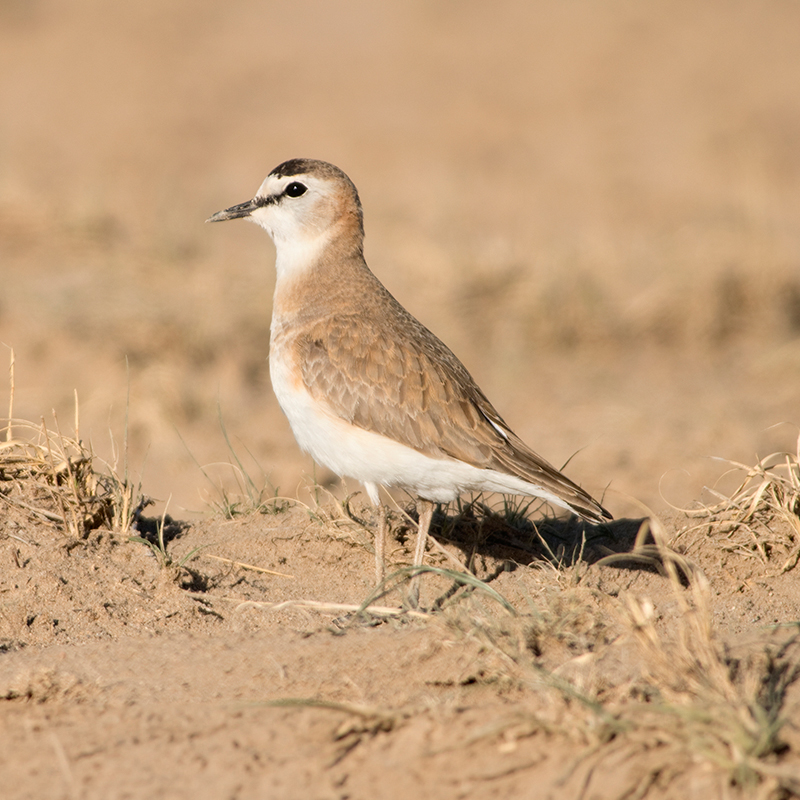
x: 404, y: 383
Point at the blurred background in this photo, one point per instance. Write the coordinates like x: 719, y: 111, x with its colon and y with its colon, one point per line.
x: 597, y: 206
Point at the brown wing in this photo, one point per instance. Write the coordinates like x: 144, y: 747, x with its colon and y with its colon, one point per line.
x: 403, y: 382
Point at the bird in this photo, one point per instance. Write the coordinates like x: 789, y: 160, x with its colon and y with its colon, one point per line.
x: 370, y: 392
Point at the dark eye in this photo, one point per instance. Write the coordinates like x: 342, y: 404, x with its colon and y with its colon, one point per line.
x: 295, y: 189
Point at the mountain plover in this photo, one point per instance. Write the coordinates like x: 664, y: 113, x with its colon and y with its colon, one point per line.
x: 368, y: 390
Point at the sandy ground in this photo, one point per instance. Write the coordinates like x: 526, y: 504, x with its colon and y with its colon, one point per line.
x: 596, y: 207
x: 123, y: 676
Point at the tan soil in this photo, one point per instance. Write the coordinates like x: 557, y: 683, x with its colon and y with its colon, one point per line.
x: 595, y: 206
x: 124, y: 678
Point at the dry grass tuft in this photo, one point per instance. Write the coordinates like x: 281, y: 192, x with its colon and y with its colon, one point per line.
x: 646, y: 687
x: 761, y: 518
x: 696, y: 702
x: 51, y: 477
x: 48, y: 476
x: 693, y: 701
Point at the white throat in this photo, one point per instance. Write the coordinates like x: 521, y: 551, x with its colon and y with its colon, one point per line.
x: 297, y: 248
x: 296, y: 256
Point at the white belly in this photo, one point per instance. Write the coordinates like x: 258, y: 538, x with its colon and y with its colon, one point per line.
x: 375, y: 460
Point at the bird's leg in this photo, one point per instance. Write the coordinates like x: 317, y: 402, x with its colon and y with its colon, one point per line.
x: 425, y: 511
x: 380, y: 544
